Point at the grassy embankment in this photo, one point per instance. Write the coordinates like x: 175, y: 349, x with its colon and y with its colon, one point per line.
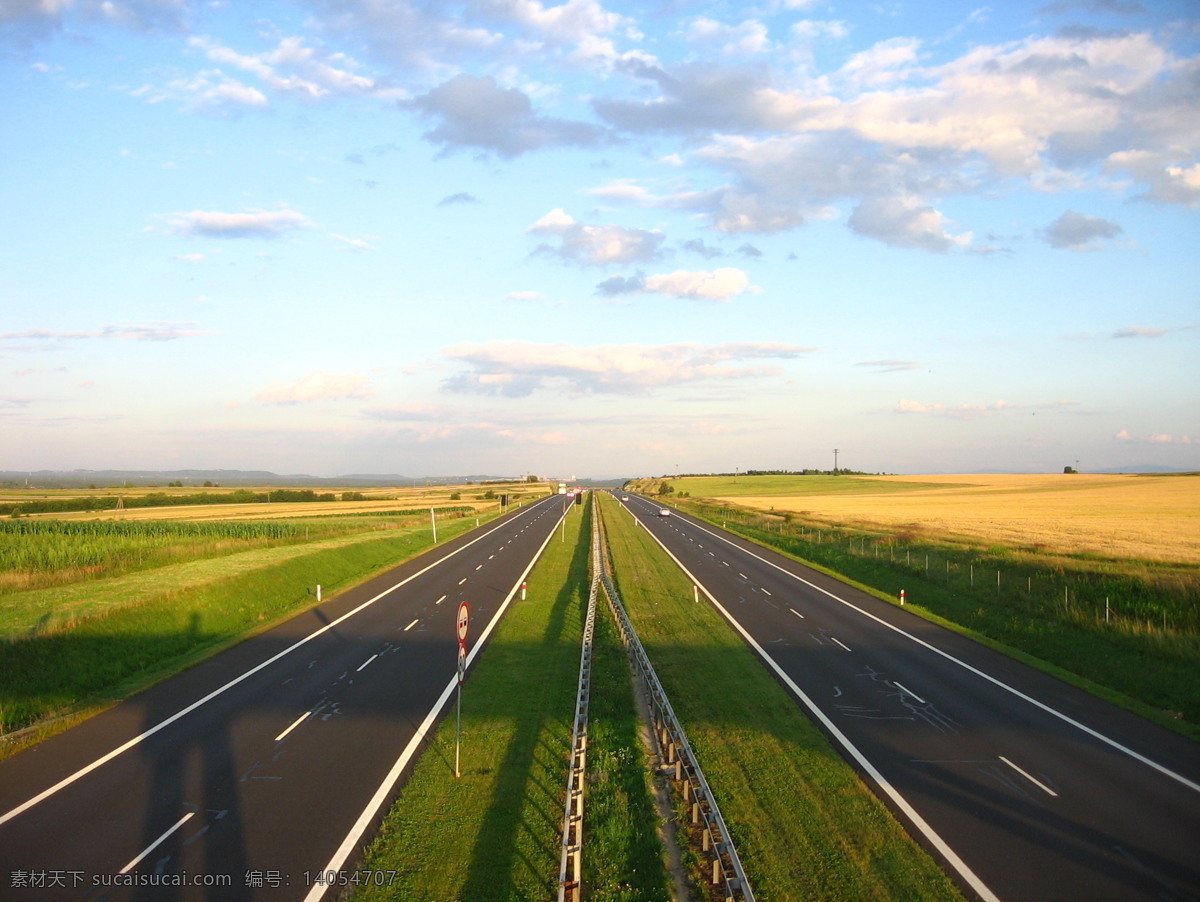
x: 495, y: 832
x: 139, y: 609
x: 980, y: 558
x: 806, y: 827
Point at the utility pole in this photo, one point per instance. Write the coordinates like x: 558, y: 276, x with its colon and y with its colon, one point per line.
x: 835, y: 454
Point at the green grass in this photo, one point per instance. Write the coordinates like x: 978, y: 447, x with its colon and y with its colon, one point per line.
x: 494, y: 833
x: 806, y: 826
x: 102, y: 640
x: 623, y: 856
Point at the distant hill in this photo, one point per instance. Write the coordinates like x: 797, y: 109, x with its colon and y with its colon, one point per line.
x: 106, y: 478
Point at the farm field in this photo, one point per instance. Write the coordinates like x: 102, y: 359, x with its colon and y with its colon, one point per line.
x: 335, y: 500
x: 78, y: 581
x: 1154, y: 518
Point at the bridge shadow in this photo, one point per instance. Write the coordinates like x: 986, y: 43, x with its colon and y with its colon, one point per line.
x: 510, y: 847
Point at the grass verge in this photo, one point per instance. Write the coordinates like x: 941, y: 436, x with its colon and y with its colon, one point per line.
x: 162, y: 621
x: 806, y: 826
x: 493, y: 833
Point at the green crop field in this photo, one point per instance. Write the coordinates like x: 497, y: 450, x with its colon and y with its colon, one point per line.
x: 145, y: 600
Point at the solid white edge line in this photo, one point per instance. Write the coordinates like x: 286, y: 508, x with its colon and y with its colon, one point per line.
x: 299, y: 720
x: 1036, y: 782
x: 379, y: 799
x: 136, y: 740
x: 154, y: 845
x: 900, y: 802
x: 1137, y: 756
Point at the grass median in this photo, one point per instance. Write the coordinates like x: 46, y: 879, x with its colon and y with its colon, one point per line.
x: 805, y: 825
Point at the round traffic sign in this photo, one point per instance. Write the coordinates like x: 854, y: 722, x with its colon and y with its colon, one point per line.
x: 464, y: 617
x: 462, y: 663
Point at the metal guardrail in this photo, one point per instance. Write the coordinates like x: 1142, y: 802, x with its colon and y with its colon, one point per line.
x: 570, y: 871
x: 675, y: 751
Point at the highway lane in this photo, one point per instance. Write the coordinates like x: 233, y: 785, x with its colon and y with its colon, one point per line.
x: 1024, y: 787
x: 270, y: 762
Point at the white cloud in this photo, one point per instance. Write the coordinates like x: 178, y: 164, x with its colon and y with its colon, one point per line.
x: 1139, y: 332
x: 316, y: 386
x: 477, y: 112
x: 719, y: 285
x: 905, y: 222
x: 973, y: 411
x: 1157, y: 438
x: 578, y: 22
x: 596, y: 245
x: 895, y: 136
x: 354, y: 244
x: 209, y: 91
x: 517, y: 368
x: 890, y: 366
x: 157, y: 331
x: 1079, y: 232
x: 256, y: 224
x: 882, y: 64
x: 748, y: 38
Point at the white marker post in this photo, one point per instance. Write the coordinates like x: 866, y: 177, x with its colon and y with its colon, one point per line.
x: 464, y: 617
x: 433, y: 523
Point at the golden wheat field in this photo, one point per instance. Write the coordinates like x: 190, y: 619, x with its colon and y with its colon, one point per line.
x: 1127, y: 516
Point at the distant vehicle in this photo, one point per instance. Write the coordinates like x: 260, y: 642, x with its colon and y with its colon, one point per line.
x: 664, y: 513
x: 624, y: 497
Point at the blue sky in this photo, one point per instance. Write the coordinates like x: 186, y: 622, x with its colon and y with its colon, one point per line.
x: 509, y: 237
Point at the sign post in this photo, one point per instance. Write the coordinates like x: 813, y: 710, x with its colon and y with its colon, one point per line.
x: 464, y: 619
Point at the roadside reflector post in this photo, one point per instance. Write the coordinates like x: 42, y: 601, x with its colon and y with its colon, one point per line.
x: 902, y: 597
x: 524, y: 586
x: 318, y: 593
x: 695, y: 594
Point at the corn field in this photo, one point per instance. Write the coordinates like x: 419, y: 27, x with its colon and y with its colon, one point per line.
x: 34, y: 553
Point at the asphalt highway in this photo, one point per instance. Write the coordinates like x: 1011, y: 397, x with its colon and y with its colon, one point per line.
x: 252, y: 774
x: 1023, y: 786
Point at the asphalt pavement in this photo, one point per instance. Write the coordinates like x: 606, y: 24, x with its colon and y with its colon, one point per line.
x: 262, y: 772
x: 1025, y: 787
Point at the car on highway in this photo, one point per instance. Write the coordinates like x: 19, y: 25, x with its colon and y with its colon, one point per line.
x: 624, y: 497
x: 664, y: 513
